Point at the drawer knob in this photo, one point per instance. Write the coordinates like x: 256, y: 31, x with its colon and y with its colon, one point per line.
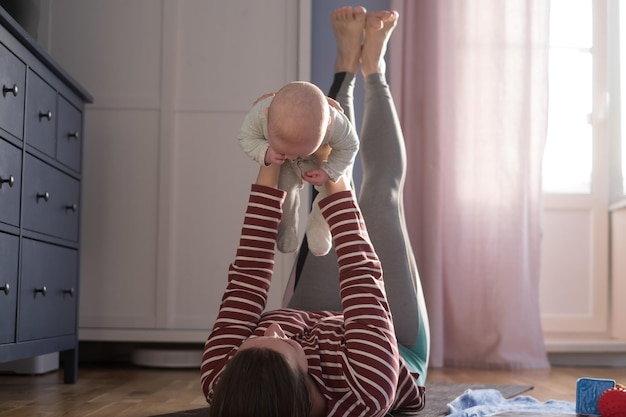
x: 69, y: 291
x: 73, y: 135
x: 72, y: 207
x: 46, y: 115
x: 10, y: 181
x: 6, y: 90
x: 43, y: 290
x: 45, y: 196
x: 6, y: 288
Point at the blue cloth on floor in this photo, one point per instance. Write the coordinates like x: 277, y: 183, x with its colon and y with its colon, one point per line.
x: 485, y: 402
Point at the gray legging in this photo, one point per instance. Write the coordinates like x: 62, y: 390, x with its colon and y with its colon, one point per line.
x: 384, y: 168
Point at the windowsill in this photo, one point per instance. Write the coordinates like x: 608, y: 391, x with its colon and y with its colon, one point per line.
x: 618, y: 205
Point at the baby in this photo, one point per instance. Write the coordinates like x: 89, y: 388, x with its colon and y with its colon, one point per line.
x: 300, y: 128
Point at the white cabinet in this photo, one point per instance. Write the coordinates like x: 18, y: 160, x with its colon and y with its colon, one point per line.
x: 165, y: 182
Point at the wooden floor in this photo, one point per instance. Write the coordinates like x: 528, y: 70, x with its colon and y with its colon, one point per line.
x: 127, y: 391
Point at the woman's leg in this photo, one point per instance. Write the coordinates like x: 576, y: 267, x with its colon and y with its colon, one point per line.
x: 384, y: 160
x: 316, y: 277
x: 384, y: 167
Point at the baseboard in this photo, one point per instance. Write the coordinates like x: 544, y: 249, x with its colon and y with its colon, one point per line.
x: 167, y: 357
x: 158, y: 355
x: 564, y: 351
x: 598, y: 360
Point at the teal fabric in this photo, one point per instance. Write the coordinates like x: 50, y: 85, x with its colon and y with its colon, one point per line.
x: 417, y: 357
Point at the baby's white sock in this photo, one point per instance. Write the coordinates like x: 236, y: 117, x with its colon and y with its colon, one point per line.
x: 318, y: 234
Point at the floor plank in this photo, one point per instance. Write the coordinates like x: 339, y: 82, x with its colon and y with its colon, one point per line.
x: 558, y: 383
x: 129, y: 391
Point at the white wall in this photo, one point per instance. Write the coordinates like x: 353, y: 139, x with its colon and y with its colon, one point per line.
x: 165, y: 182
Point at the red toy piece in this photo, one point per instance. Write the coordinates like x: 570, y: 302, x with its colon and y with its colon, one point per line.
x: 612, y: 402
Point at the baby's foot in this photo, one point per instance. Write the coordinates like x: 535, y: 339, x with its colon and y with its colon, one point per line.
x: 378, y: 29
x: 287, y: 239
x: 318, y: 234
x: 348, y: 25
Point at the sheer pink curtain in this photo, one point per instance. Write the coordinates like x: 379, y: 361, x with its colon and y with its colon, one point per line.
x: 470, y: 81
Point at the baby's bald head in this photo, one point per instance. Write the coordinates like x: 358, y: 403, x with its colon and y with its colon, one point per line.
x: 297, y: 119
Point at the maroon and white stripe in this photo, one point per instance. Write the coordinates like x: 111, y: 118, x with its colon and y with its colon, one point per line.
x: 353, y: 355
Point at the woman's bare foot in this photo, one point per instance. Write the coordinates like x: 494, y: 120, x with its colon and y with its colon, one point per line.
x: 378, y: 28
x: 348, y: 23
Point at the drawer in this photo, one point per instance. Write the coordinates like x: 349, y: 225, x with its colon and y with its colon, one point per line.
x: 10, y: 180
x: 12, y: 81
x: 41, y: 115
x: 9, y: 245
x: 50, y: 201
x: 48, y: 286
x: 69, y: 141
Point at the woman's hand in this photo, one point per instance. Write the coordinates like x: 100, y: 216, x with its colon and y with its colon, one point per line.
x: 334, y: 103
x: 263, y: 97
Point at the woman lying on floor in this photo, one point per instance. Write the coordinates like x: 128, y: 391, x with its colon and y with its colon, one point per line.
x: 351, y: 359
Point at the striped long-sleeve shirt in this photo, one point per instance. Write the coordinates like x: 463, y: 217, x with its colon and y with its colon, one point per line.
x: 352, y: 355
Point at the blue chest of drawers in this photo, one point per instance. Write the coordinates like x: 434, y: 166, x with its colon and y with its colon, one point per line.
x: 41, y: 137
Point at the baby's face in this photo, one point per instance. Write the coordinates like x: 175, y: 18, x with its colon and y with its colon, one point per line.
x: 294, y: 147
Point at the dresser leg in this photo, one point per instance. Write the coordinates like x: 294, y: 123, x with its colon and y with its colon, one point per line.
x: 70, y: 365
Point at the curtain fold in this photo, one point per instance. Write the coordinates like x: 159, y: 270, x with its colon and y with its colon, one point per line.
x: 470, y: 82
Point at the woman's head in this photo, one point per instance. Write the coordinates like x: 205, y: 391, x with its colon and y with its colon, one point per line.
x: 265, y: 378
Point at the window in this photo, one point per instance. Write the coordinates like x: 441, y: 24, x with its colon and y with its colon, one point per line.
x: 579, y: 98
x: 567, y: 163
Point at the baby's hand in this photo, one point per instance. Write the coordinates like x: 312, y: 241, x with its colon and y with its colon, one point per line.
x: 274, y: 158
x: 316, y: 176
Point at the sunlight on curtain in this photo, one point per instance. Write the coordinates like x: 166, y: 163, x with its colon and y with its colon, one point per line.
x: 470, y: 80
x: 567, y: 162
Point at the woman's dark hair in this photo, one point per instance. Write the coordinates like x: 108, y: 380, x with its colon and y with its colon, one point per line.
x: 259, y: 382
